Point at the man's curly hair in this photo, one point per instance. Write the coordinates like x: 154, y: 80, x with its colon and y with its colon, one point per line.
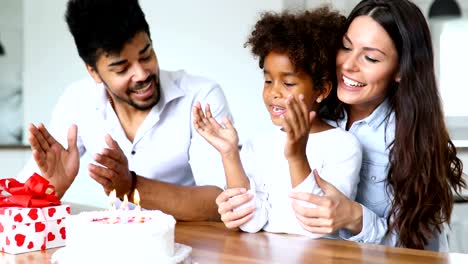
x: 310, y: 38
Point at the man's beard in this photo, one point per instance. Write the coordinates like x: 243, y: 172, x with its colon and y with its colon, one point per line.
x: 152, y: 101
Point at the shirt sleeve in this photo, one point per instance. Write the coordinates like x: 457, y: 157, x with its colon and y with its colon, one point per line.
x: 63, y: 116
x: 258, y: 188
x: 262, y: 208
x: 373, y: 230
x: 204, y: 159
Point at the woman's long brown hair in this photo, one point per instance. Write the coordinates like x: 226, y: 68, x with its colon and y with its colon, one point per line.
x: 424, y: 170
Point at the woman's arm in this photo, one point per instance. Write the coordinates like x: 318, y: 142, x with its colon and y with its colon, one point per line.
x: 334, y: 206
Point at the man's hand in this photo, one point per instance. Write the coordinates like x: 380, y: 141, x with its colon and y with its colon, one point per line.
x: 57, y: 164
x: 114, y: 172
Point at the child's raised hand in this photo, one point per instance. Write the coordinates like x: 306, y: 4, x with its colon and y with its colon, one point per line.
x: 296, y: 123
x: 223, y: 137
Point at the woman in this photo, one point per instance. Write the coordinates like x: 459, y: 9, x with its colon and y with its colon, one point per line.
x: 390, y: 101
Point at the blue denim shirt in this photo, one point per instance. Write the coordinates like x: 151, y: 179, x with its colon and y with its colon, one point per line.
x: 372, y: 193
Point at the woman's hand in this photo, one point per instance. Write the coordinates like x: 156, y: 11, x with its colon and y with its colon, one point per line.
x: 223, y: 137
x: 333, y: 210
x: 229, y: 203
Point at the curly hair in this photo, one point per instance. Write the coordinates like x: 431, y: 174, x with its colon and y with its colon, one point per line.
x: 309, y: 38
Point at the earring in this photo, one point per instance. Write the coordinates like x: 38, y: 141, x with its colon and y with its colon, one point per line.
x: 319, y: 99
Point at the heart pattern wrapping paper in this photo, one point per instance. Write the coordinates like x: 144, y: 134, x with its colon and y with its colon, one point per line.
x: 30, y: 229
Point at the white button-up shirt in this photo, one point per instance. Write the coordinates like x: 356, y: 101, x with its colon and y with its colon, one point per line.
x: 166, y: 146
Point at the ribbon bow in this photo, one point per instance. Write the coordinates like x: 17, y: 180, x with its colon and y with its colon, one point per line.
x: 35, y: 192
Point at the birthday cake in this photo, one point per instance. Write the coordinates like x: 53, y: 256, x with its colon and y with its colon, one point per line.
x: 121, y: 237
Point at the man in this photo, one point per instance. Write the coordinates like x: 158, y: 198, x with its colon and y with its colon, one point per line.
x: 134, y: 118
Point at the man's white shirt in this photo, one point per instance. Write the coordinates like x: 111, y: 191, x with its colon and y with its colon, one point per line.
x: 166, y: 146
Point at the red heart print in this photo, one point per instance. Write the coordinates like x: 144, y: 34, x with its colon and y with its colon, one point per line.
x: 7, y: 241
x: 43, y: 247
x: 39, y: 227
x: 13, y: 227
x: 59, y: 221
x: 30, y: 245
x: 63, y: 233
x: 50, y: 236
x: 68, y: 210
x: 33, y: 214
x: 51, y: 212
x: 19, y: 238
x: 18, y: 218
x: 1, y: 228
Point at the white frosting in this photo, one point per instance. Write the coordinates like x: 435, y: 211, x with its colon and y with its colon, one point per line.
x: 92, y: 239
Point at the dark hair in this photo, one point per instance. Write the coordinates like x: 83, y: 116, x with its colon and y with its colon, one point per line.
x: 310, y: 39
x: 103, y: 26
x: 424, y: 168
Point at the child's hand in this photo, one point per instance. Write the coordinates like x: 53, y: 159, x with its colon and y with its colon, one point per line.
x: 296, y: 123
x: 223, y: 137
x: 236, y: 206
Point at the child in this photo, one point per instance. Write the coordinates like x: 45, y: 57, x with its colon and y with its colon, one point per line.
x: 297, y: 55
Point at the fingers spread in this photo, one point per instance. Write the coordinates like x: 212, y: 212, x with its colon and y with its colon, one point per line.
x: 227, y: 123
x: 105, y: 182
x: 208, y: 111
x: 36, y: 139
x: 107, y: 161
x: 72, y: 137
x: 40, y: 159
x: 46, y: 135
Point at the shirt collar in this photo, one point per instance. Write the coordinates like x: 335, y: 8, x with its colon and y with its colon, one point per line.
x: 378, y: 116
x: 170, y: 90
x: 375, y: 119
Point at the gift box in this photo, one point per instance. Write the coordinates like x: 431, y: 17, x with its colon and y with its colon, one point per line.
x: 29, y: 229
x: 31, y: 216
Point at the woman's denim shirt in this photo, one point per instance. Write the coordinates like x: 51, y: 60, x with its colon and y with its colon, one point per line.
x: 372, y: 193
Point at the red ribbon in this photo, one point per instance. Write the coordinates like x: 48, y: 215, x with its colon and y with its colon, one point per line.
x: 35, y: 192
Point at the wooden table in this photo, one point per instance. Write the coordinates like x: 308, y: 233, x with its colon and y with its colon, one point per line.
x: 212, y: 243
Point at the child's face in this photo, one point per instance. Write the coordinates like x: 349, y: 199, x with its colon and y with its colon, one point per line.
x: 283, y: 80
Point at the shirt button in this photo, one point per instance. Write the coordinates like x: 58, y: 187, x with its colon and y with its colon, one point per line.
x: 133, y: 152
x: 373, y: 178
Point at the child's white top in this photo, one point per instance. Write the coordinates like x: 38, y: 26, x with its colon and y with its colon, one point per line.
x: 335, y: 153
